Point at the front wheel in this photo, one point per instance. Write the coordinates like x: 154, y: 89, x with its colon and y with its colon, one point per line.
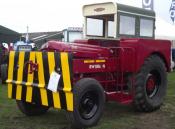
x: 150, y: 85
x: 30, y: 109
x: 89, y: 102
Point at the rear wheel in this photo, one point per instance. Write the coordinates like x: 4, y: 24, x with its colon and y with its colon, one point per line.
x: 30, y: 109
x: 89, y: 102
x: 151, y: 84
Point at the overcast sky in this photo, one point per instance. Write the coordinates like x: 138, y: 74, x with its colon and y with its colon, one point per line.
x: 43, y: 15
x: 53, y: 15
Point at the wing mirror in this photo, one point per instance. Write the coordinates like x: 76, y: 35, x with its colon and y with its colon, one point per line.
x: 5, y: 45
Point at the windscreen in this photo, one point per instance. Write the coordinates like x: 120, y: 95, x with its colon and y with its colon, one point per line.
x: 100, y: 26
x: 95, y: 27
x: 111, y: 30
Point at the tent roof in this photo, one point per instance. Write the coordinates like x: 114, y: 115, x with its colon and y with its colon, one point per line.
x: 164, y: 30
x: 4, y: 30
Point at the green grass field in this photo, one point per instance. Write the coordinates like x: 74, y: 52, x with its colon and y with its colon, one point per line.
x: 115, y: 116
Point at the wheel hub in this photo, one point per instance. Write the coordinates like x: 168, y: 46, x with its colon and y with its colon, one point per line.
x: 88, y: 105
x: 151, y: 85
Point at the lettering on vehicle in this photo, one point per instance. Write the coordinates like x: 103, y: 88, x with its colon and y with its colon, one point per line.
x: 97, y: 66
x: 99, y: 9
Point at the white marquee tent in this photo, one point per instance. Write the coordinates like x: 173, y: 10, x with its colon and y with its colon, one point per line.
x: 164, y: 30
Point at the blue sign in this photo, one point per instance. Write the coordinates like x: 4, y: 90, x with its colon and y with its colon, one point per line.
x: 172, y: 11
x: 148, y: 4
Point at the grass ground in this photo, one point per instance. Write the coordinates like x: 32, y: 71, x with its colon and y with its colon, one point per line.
x: 115, y: 116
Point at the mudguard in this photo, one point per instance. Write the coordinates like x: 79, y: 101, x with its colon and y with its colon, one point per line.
x: 29, y: 74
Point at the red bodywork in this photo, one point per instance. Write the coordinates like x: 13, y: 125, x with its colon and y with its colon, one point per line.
x: 113, y: 63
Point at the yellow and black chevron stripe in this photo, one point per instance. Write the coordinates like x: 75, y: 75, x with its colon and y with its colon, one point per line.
x: 32, y: 87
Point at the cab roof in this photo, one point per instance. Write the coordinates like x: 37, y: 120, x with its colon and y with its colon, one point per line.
x: 113, y: 8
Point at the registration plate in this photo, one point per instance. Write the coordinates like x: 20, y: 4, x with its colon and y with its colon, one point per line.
x: 24, y: 48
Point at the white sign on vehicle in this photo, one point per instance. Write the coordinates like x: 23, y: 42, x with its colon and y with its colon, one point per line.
x: 148, y: 4
x: 53, y: 82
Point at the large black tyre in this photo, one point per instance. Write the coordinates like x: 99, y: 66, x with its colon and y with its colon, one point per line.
x: 89, y: 100
x: 150, y: 85
x: 30, y: 109
x: 3, y: 73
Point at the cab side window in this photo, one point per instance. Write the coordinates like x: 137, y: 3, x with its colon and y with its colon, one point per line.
x: 146, y: 27
x: 127, y: 25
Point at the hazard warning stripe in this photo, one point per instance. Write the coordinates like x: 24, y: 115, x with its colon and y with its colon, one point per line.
x: 65, y: 71
x: 30, y: 79
x: 41, y: 78
x: 25, y: 72
x: 14, y: 87
x: 46, y: 67
x: 20, y: 75
x: 32, y: 87
x: 66, y: 80
x: 41, y: 85
x: 10, y: 73
x: 60, y: 84
x: 24, y: 91
x: 15, y: 72
x: 25, y: 68
x: 47, y: 77
x: 56, y: 96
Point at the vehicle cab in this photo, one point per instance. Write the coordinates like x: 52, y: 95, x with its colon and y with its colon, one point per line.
x: 114, y: 21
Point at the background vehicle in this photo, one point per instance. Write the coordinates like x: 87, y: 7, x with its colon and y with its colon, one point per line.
x: 117, y: 61
x: 72, y: 33
x: 4, y: 51
x: 24, y: 46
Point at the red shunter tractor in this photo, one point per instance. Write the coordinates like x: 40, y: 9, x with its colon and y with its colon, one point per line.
x: 119, y: 60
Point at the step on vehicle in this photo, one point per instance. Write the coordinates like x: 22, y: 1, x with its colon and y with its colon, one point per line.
x: 119, y: 60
